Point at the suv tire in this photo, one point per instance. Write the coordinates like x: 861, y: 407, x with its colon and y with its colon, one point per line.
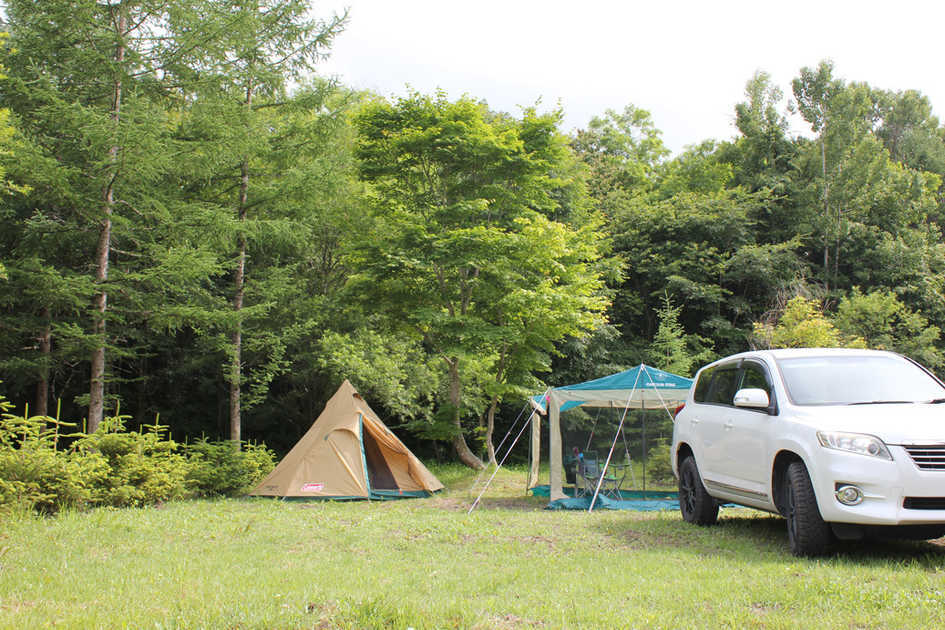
x: 696, y: 505
x: 808, y: 534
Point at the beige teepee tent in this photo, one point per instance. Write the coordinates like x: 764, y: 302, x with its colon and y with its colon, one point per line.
x: 347, y: 454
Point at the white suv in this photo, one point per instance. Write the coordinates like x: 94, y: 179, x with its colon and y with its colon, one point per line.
x: 842, y: 443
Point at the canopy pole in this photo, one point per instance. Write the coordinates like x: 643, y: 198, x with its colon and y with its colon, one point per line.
x: 609, y: 455
x: 556, y: 490
x: 603, y: 472
x: 643, y: 424
x: 534, y: 469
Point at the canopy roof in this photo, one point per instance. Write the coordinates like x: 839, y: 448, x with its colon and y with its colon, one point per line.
x: 642, y: 387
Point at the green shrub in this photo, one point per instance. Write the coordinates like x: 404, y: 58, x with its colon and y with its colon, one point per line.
x: 260, y: 461
x: 115, y: 467
x: 142, y: 468
x: 37, y: 479
x: 219, y: 469
x: 109, y: 467
x: 659, y: 464
x: 33, y: 474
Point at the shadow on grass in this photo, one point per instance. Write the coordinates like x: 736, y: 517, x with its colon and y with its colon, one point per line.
x: 756, y: 536
x: 518, y: 504
x: 929, y: 554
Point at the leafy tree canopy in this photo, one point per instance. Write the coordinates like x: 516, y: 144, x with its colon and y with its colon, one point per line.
x: 467, y: 256
x: 803, y: 325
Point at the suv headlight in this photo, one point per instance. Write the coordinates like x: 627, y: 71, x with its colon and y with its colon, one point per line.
x: 854, y: 443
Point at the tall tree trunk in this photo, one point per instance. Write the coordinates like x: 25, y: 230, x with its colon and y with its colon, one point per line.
x: 239, y: 276
x: 97, y: 379
x: 490, y: 415
x: 45, y: 349
x: 236, y: 339
x: 490, y: 430
x: 839, y: 227
x: 823, y: 166
x: 465, y: 455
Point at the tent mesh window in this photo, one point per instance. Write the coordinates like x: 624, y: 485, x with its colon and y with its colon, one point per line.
x: 379, y: 474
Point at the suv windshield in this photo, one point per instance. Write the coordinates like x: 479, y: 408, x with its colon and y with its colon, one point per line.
x: 848, y: 380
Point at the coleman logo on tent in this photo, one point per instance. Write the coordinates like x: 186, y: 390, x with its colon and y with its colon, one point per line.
x: 313, y: 487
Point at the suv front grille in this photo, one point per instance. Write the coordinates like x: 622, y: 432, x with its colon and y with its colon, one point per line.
x: 930, y: 457
x: 924, y: 503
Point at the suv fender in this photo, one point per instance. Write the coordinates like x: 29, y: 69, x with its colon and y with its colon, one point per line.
x: 785, y: 452
x: 682, y: 449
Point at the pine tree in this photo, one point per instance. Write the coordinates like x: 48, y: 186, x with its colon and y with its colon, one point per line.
x: 669, y: 350
x: 240, y: 119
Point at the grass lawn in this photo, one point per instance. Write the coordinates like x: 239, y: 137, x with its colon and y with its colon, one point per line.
x: 427, y: 564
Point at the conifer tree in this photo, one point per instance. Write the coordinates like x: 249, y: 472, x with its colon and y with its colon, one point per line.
x: 241, y: 103
x: 669, y: 349
x: 84, y: 82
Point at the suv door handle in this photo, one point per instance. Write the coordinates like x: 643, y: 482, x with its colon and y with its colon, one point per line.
x: 728, y: 425
x: 693, y: 422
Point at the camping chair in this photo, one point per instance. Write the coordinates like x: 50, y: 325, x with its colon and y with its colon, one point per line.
x: 589, y: 474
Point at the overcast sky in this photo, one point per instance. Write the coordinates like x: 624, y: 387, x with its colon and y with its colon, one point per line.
x: 685, y: 62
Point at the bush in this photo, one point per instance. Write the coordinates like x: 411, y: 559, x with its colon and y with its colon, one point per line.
x: 34, y: 475
x: 114, y: 466
x: 140, y: 468
x: 659, y: 463
x: 220, y: 469
x: 39, y: 479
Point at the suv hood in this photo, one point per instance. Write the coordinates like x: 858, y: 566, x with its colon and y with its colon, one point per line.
x: 906, y: 423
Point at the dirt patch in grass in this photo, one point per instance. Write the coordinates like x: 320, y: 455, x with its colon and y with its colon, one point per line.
x: 507, y: 622
x: 645, y: 539
x: 449, y: 504
x: 16, y: 605
x: 537, y: 540
x: 517, y: 504
x: 326, y: 613
x: 761, y: 609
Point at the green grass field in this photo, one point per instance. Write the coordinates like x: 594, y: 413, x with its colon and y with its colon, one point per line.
x: 427, y: 564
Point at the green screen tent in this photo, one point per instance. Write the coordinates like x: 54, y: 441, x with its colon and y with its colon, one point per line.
x: 642, y: 387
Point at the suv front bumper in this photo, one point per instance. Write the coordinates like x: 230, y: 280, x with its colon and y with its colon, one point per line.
x: 894, y: 492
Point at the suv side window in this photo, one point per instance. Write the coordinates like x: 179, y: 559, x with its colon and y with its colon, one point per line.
x: 755, y: 377
x: 724, y: 386
x: 702, y: 385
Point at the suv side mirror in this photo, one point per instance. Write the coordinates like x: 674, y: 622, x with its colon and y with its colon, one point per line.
x: 752, y: 398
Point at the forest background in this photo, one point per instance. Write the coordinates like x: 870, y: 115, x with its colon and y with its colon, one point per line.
x: 197, y: 227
